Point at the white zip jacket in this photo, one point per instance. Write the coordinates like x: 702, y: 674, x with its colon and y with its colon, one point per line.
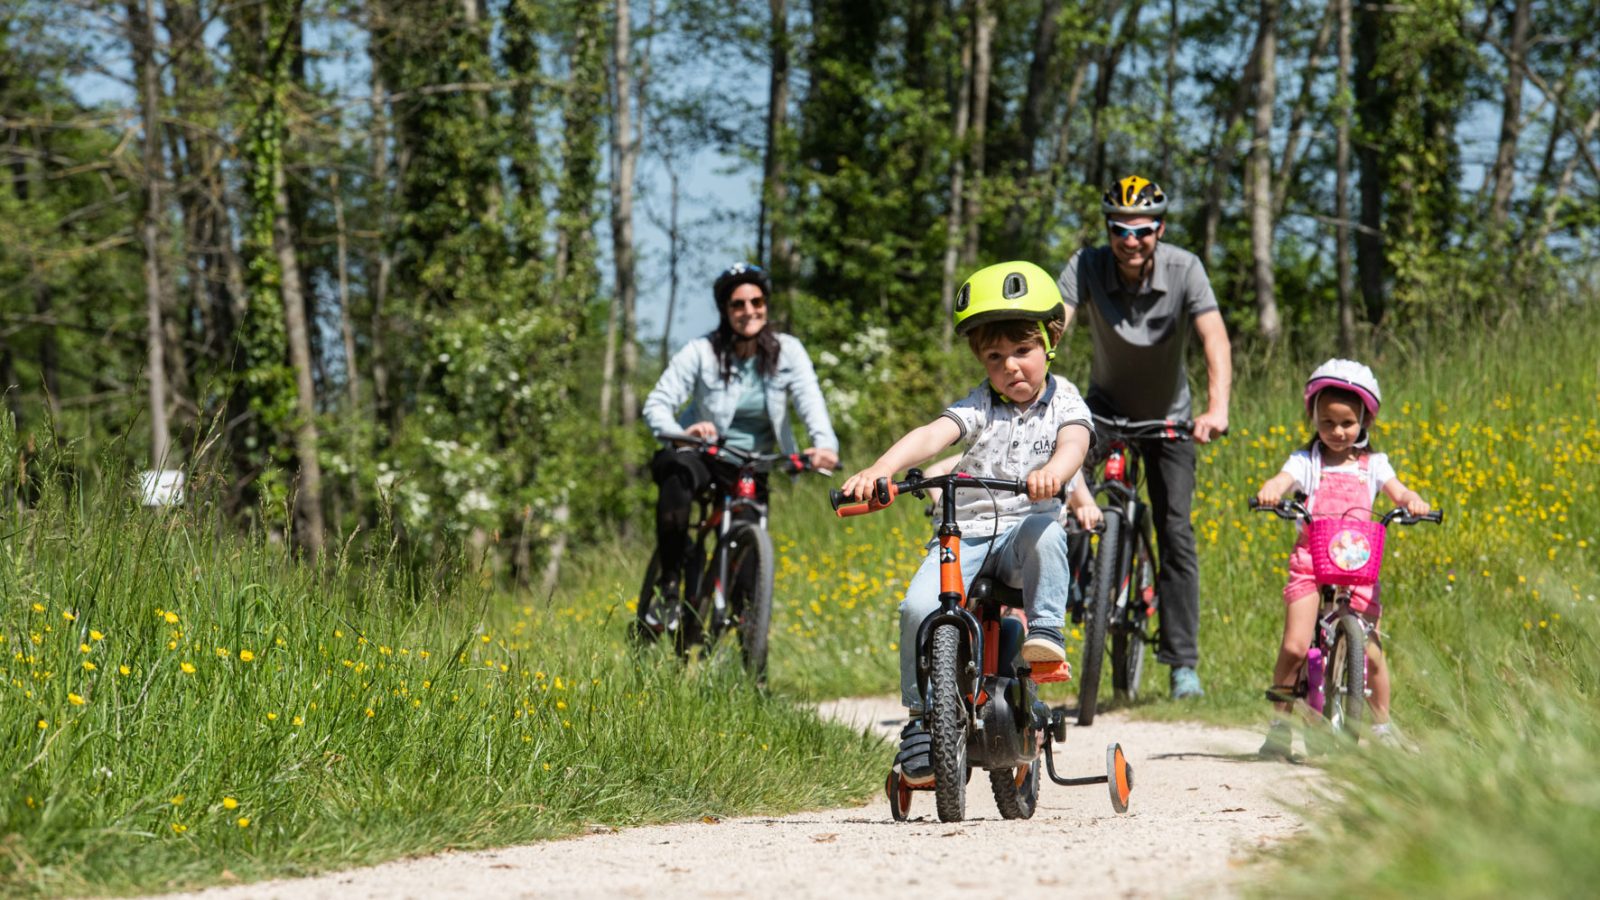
x: 693, y: 376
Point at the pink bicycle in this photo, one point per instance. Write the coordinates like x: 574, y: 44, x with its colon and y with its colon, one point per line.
x: 1345, y: 553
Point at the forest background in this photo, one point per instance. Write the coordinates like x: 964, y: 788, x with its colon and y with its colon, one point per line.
x: 411, y: 307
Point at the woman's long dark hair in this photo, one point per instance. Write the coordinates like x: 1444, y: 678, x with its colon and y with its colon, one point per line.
x: 723, y: 342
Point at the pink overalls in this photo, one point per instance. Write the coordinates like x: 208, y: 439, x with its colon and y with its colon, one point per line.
x: 1336, y: 495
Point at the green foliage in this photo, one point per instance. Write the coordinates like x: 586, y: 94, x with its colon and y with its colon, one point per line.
x: 183, y: 703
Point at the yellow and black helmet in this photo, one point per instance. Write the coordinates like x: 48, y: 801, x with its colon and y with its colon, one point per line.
x: 1009, y: 290
x: 1134, y: 196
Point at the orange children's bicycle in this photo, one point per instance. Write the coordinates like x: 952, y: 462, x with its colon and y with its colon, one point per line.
x: 983, y: 707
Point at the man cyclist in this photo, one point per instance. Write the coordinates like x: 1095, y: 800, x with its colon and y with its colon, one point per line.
x: 1137, y: 294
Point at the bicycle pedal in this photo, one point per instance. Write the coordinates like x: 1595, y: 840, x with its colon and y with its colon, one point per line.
x: 1050, y: 672
x: 1276, y: 695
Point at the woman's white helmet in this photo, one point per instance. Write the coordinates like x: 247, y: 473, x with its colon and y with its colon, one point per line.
x: 1345, y: 374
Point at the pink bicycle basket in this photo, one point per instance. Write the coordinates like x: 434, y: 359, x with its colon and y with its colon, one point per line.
x: 1346, y: 551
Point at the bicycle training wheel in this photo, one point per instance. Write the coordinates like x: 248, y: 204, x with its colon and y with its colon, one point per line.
x: 1345, y: 694
x: 750, y: 572
x: 1016, y: 791
x: 1128, y: 640
x: 947, y: 724
x: 1097, y: 615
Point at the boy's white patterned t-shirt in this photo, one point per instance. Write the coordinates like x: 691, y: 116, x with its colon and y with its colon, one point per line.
x: 1004, y: 440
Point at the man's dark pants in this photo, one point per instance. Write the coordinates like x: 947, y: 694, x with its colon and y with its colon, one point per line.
x: 1169, y: 475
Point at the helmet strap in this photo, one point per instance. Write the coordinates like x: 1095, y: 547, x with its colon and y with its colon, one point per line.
x: 1049, y: 348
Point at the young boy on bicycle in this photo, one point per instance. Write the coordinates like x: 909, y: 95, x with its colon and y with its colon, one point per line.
x: 1021, y: 423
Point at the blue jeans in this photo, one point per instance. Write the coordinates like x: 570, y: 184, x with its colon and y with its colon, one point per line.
x: 1032, y: 556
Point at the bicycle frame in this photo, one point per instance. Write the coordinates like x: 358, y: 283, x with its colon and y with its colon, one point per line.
x: 1122, y: 475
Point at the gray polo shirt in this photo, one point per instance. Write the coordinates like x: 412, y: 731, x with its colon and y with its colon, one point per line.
x: 1139, y: 333
x: 1004, y: 440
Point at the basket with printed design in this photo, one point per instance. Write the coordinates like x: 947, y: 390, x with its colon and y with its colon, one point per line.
x: 1346, y: 550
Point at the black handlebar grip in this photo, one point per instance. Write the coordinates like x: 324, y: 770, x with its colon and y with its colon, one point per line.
x: 880, y: 491
x: 836, y: 497
x: 1436, y: 516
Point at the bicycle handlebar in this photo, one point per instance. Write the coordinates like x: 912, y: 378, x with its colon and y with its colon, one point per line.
x: 886, y: 490
x: 790, y: 463
x: 1295, y: 510
x: 1164, y: 429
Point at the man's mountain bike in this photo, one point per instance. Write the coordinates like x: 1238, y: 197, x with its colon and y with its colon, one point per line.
x: 1121, y: 600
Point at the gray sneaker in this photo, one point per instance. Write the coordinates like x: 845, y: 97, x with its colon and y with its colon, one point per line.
x: 1186, y: 683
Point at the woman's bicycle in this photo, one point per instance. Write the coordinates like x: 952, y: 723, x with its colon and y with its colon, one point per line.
x: 727, y: 580
x: 1121, y: 599
x: 1347, y: 553
x: 983, y: 708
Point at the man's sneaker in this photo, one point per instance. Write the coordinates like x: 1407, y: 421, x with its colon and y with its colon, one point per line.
x: 1278, y: 740
x: 1043, y: 645
x: 914, y: 762
x: 1185, y: 683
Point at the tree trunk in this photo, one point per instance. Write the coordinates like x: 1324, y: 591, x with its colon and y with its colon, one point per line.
x: 774, y: 192
x: 1227, y: 148
x: 380, y: 260
x: 142, y: 38
x: 1505, y: 172
x: 1297, y: 117
x: 1341, y: 184
x: 308, y: 498
x: 1105, y: 80
x: 624, y: 154
x: 983, y: 23
x: 1037, y: 105
x: 1371, y: 268
x: 674, y: 248
x: 347, y: 333
x: 958, y: 164
x: 1261, y: 174
x: 1168, y: 118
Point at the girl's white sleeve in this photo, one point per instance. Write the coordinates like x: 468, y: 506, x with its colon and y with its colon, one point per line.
x: 1298, y: 465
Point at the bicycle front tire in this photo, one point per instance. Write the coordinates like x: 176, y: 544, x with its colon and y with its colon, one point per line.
x: 1102, y: 602
x: 750, y: 575
x: 947, y: 724
x: 1133, y: 632
x: 1345, y: 678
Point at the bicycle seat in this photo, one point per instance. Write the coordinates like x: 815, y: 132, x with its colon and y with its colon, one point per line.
x: 992, y: 590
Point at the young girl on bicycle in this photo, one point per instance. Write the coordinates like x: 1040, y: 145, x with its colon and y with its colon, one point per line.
x: 1342, y: 475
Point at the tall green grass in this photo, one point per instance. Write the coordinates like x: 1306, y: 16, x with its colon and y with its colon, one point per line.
x: 179, y: 702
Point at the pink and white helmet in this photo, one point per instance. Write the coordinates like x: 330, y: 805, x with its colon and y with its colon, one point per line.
x: 1345, y: 374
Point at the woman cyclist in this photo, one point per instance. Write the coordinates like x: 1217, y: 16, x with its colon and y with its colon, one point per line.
x: 735, y: 384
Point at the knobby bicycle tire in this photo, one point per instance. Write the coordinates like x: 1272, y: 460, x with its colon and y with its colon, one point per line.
x: 1016, y: 800
x: 1344, y: 697
x: 1133, y: 632
x: 947, y: 724
x: 1097, y: 614
x: 750, y: 574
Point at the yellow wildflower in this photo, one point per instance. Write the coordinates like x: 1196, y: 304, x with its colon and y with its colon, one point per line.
x: 188, y: 668
x: 229, y: 803
x: 246, y: 656
x: 75, y: 700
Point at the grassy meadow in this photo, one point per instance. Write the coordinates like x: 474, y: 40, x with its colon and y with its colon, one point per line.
x: 186, y: 706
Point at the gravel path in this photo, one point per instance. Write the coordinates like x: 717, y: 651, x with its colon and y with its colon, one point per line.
x: 1202, y: 803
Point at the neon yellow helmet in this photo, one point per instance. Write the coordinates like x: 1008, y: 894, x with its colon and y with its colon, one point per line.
x: 1009, y: 290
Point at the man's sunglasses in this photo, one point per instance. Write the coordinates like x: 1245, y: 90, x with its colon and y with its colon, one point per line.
x: 1121, y: 231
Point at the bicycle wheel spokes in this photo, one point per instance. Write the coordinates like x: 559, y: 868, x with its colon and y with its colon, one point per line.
x: 947, y: 724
